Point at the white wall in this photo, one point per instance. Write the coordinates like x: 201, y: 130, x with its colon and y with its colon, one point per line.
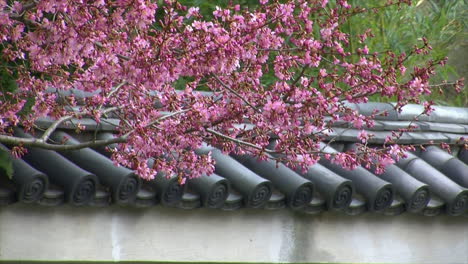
x: 164, y: 234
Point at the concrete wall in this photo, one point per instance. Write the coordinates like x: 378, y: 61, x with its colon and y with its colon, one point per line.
x: 163, y: 234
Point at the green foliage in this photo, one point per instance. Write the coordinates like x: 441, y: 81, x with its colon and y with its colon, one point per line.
x: 7, y: 81
x: 443, y: 23
x: 6, y: 164
x: 207, y: 7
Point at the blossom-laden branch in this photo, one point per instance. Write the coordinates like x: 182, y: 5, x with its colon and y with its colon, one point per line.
x: 57, y: 123
x: 39, y: 143
x: 282, y: 69
x: 236, y: 93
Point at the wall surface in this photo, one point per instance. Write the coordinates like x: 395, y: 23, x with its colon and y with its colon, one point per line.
x: 164, y: 234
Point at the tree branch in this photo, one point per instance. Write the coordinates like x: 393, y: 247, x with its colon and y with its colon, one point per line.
x: 236, y: 93
x: 120, y: 56
x: 238, y: 141
x: 39, y: 143
x: 54, y: 126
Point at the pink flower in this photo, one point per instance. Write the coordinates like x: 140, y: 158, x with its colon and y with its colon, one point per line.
x: 394, y: 150
x: 365, y: 50
x: 402, y: 70
x: 250, y: 59
x: 193, y: 12
x: 363, y: 136
x: 326, y: 33
x: 385, y: 161
x: 324, y: 3
x: 417, y: 84
x: 428, y: 109
x: 323, y: 73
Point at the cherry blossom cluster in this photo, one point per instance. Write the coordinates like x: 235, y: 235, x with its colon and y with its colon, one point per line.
x: 275, y: 72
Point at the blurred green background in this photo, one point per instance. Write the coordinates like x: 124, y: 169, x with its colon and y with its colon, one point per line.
x: 443, y: 23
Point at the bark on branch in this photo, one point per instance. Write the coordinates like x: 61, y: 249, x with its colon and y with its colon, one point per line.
x: 54, y: 126
x: 42, y: 141
x: 39, y: 143
x: 236, y: 93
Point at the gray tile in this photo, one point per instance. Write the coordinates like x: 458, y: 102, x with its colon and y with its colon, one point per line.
x: 102, y: 197
x: 276, y: 201
x: 454, y: 138
x: 443, y: 127
x: 233, y: 201
x: 351, y: 105
x: 339, y: 146
x: 380, y: 137
x: 349, y: 135
x: 426, y: 137
x: 447, y: 114
x: 435, y: 207
x: 89, y: 124
x: 76, y: 92
x: 368, y: 108
x: 333, y: 134
x: 7, y: 195
x: 447, y: 124
x: 338, y: 123
x: 145, y: 197
x: 190, y: 200
x: 396, y: 125
x: 465, y: 127
x: 378, y: 125
x: 397, y: 207
x: 411, y: 111
x: 357, y: 206
x: 316, y: 206
x: 403, y: 163
x: 422, y: 125
x: 463, y: 155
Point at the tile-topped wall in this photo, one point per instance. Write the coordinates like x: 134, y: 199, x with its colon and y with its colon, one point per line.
x: 163, y: 234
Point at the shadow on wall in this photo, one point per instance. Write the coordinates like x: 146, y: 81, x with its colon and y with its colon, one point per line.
x: 298, y: 242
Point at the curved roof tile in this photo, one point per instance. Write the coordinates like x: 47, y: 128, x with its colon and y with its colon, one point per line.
x: 430, y: 182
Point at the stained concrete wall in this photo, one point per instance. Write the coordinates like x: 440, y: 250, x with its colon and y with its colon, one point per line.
x: 163, y: 234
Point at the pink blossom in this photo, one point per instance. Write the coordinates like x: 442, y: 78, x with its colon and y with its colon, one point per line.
x: 324, y: 3
x: 363, y: 136
x: 326, y: 33
x: 118, y: 51
x: 402, y: 70
x: 365, y: 50
x: 193, y: 12
x: 323, y: 73
x: 394, y: 150
x: 428, y: 109
x: 385, y: 161
x: 17, y: 7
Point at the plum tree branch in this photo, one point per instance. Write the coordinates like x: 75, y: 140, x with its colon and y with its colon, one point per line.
x: 236, y: 93
x: 54, y: 126
x: 39, y: 143
x: 238, y: 141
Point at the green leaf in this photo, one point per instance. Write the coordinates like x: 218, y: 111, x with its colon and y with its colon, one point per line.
x: 6, y: 163
x: 7, y: 81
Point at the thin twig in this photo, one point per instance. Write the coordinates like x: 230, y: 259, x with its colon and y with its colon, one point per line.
x: 39, y: 143
x: 167, y: 116
x: 54, y: 126
x: 116, y: 88
x: 236, y: 93
x: 120, y: 56
x: 238, y: 141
